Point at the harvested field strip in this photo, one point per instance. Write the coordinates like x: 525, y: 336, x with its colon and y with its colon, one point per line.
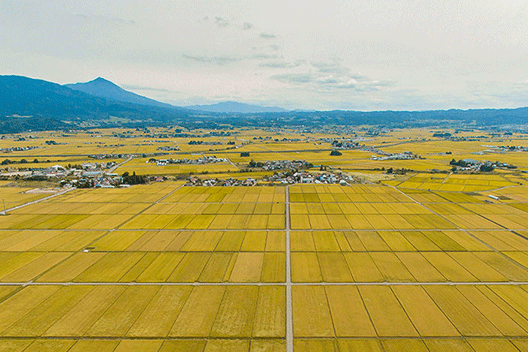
x: 349, y: 315
x: 25, y: 240
x: 109, y: 268
x: 122, y: 314
x: 189, y: 268
x: 503, y: 265
x: 17, y: 306
x: 85, y: 313
x: 254, y: 241
x: 71, y: 268
x: 363, y: 268
x: 159, y: 315
x: 391, y: 268
x: 197, y: 315
x: 216, y: 267
x: 35, y: 267
x: 248, y: 267
x: 270, y: 312
x: 477, y: 267
x: 468, y: 320
x: 273, y: 267
x: 448, y: 267
x: 43, y: 316
x: 236, y: 312
x: 14, y: 261
x: 118, y: 241
x: 334, y: 267
x: 161, y: 267
x: 427, y: 318
x: 494, y: 314
x: 202, y: 241
x: 305, y: 267
x: 311, y: 314
x: 388, y: 317
x: 396, y: 241
x: 420, y: 268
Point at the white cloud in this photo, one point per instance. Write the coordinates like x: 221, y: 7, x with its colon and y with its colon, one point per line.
x: 367, y: 54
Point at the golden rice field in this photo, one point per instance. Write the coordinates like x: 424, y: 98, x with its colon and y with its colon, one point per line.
x: 423, y: 262
x: 456, y: 183
x: 13, y: 196
x: 165, y: 267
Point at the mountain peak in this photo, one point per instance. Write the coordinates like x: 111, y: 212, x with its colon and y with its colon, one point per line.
x: 104, y: 88
x: 100, y: 80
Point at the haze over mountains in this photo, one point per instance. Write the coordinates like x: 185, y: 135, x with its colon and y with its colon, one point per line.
x: 32, y: 104
x: 103, y: 88
x: 234, y: 107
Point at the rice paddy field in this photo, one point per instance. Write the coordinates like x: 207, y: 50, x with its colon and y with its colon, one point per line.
x: 421, y: 262
x: 14, y: 196
x: 166, y: 267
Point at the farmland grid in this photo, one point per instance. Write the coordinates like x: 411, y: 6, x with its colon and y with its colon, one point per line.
x: 288, y: 283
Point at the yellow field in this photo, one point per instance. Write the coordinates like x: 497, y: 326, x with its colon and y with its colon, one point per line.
x: 419, y: 262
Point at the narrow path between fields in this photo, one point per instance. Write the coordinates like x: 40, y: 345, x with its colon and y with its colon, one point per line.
x: 113, y: 168
x: 289, y: 309
x: 291, y: 284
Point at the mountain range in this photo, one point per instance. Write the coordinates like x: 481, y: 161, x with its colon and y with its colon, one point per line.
x: 33, y: 104
x: 103, y: 88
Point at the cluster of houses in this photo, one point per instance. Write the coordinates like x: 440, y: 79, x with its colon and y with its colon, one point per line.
x: 476, y: 165
x: 503, y: 149
x: 308, y: 177
x: 90, y: 170
x: 99, y: 182
x: 205, y: 143
x: 231, y: 182
x: 285, y: 178
x: 397, y: 156
x: 199, y: 161
x: 353, y: 144
x: 17, y: 149
x: 168, y: 148
x: 108, y: 156
x: 344, y: 144
x: 281, y: 165
x: 289, y: 140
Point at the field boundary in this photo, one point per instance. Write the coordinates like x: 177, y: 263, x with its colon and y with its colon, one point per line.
x: 288, y: 283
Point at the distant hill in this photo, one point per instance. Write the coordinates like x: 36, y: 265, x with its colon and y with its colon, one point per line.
x: 33, y: 104
x: 27, y: 103
x: 103, y: 88
x: 234, y: 107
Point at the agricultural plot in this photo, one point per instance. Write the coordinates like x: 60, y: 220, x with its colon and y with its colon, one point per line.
x: 456, y: 183
x: 215, y: 208
x: 13, y: 196
x: 412, y: 263
x: 172, y: 268
x: 365, y: 208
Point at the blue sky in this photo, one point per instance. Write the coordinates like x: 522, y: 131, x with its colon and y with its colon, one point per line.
x: 310, y: 54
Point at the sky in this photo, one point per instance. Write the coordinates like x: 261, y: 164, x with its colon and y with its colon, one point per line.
x: 296, y: 54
